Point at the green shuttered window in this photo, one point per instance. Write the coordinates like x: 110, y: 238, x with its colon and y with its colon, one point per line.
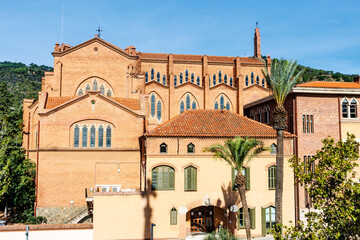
x: 272, y: 177
x: 190, y: 178
x: 173, y: 216
x: 163, y: 178
x: 267, y: 219
x: 246, y: 173
x: 241, y: 218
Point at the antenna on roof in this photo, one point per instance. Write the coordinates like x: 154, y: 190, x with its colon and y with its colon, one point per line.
x: 62, y: 24
x: 98, y: 31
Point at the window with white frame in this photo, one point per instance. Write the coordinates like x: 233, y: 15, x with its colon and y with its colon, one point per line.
x: 349, y: 108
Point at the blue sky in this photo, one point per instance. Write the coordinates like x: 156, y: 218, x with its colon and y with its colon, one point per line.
x: 318, y: 33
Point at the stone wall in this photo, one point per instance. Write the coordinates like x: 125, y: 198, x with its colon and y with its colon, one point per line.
x: 61, y: 215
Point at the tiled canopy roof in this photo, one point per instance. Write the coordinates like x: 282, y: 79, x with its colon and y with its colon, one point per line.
x: 199, y: 57
x: 213, y: 123
x: 131, y: 103
x: 322, y: 84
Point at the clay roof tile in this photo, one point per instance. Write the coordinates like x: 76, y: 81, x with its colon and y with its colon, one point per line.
x: 323, y: 84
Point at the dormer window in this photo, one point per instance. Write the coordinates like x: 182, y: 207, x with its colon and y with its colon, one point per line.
x: 163, y: 148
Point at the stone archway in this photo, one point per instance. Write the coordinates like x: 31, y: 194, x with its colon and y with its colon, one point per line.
x: 205, y: 219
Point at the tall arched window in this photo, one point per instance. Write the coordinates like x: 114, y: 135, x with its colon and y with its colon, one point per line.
x: 102, y: 89
x: 84, y: 136
x: 263, y: 82
x: 198, y: 80
x: 92, y: 136
x: 146, y: 77
x: 101, y: 137
x: 87, y: 87
x: 231, y: 81
x: 192, y: 77
x: 193, y: 105
x: 222, y: 102
x: 164, y: 80
x: 190, y: 178
x: 216, y: 105
x: 257, y: 80
x: 345, y: 111
x: 163, y: 178
x: 272, y: 177
x: 219, y: 76
x: 353, y: 105
x: 175, y: 80
x: 152, y: 74
x: 182, y: 107
x: 225, y: 79
x: 95, y: 85
x: 173, y: 216
x: 268, y: 214
x: 158, y: 77
x: 228, y: 106
x: 152, y: 105
x: 81, y: 92
x: 108, y: 136
x: 159, y: 110
x: 214, y: 79
x: 76, y: 136
x: 108, y: 93
x: 186, y: 75
x: 252, y: 78
x: 246, y: 80
x: 187, y: 102
x: 181, y: 78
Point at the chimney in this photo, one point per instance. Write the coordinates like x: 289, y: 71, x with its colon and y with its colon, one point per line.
x: 357, y: 79
x: 56, y: 48
x: 131, y: 50
x: 257, y: 43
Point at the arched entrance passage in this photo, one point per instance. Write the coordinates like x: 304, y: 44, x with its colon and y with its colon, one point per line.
x: 205, y: 219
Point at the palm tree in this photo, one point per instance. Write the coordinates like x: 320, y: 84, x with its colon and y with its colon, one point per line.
x: 235, y: 152
x: 281, y: 80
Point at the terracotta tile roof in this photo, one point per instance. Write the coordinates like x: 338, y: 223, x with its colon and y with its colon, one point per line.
x: 323, y: 84
x: 212, y: 123
x: 199, y: 57
x: 131, y: 103
x: 53, y: 102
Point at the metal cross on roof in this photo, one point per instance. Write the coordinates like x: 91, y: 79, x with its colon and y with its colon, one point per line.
x: 99, y: 30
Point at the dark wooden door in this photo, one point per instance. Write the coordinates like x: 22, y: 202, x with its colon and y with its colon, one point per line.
x: 202, y: 219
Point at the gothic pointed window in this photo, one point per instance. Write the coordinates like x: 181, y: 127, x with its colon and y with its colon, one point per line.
x: 192, y: 78
x: 219, y: 76
x: 102, y: 89
x: 95, y: 85
x: 182, y: 107
x: 76, y: 136
x: 81, y: 92
x: 252, y: 78
x: 272, y: 177
x: 345, y: 111
x: 214, y: 79
x: 164, y: 79
x: 190, y: 148
x: 353, y: 105
x: 108, y: 93
x: 187, y: 102
x: 222, y: 102
x: 87, y: 87
x: 246, y: 80
x: 181, y: 78
x: 101, y: 137
x: 216, y: 105
x: 225, y: 79
x: 92, y: 136
x: 158, y: 77
x: 263, y: 82
x: 186, y: 75
x: 108, y: 136
x: 84, y: 136
x: 228, y: 106
x: 163, y: 148
x: 198, y: 80
x: 231, y: 81
x: 175, y: 80
x: 257, y: 80
x: 152, y: 74
x: 159, y: 110
x: 146, y: 77
x: 190, y: 176
x: 193, y: 105
x: 173, y: 216
x: 152, y: 105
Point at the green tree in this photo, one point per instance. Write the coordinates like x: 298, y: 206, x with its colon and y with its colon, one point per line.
x: 332, y: 189
x: 281, y: 81
x: 235, y: 152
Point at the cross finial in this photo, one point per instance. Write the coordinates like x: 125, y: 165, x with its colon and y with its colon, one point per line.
x: 257, y: 24
x: 98, y: 31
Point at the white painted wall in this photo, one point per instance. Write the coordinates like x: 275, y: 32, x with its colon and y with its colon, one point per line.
x: 78, y: 234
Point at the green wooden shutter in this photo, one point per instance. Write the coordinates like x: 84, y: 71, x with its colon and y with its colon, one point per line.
x: 171, y: 178
x: 263, y: 221
x: 154, y: 178
x: 186, y: 180
x: 194, y: 179
x: 247, y: 175
x: 233, y: 178
x: 252, y: 218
